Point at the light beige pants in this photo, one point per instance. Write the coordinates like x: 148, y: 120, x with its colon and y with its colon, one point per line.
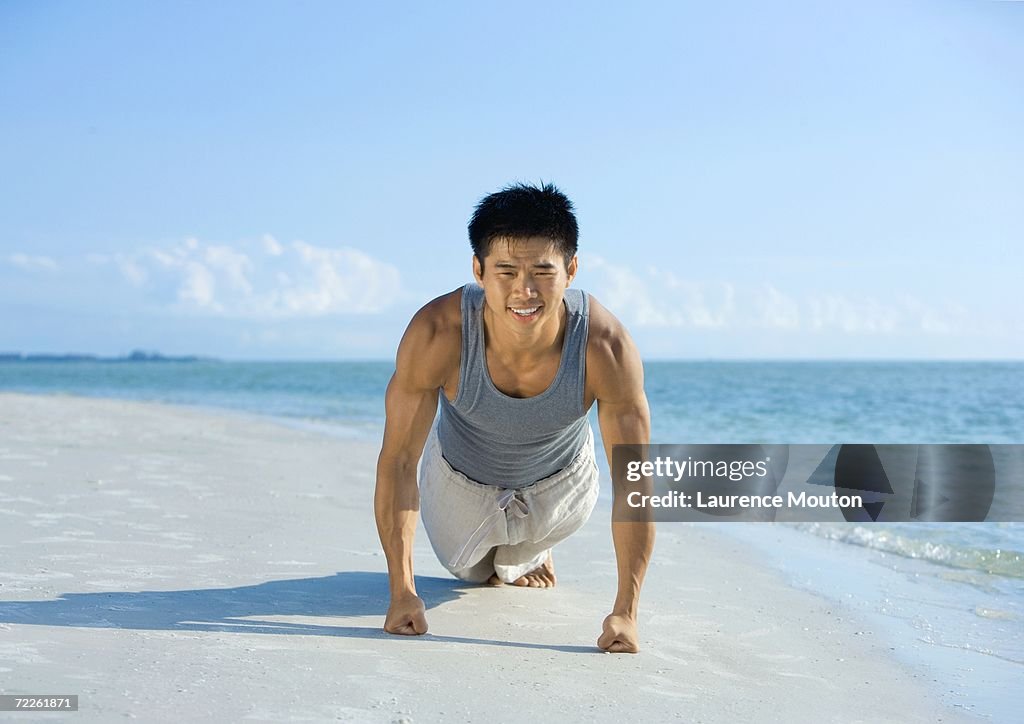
x: 477, y: 530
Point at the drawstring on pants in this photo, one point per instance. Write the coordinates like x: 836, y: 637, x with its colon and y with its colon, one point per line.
x: 507, y: 499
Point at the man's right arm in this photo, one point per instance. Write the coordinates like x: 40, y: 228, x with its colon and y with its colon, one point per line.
x: 421, y: 368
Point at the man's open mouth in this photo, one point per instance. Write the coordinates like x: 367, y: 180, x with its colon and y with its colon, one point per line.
x: 525, y: 312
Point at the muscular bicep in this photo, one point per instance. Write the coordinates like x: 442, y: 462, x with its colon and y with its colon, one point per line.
x: 409, y: 410
x: 624, y: 423
x: 625, y: 419
x: 622, y: 409
x: 425, y: 358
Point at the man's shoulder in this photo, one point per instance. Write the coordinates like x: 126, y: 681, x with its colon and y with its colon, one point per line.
x: 606, y: 336
x: 613, y: 361
x: 440, y: 317
x: 431, y: 348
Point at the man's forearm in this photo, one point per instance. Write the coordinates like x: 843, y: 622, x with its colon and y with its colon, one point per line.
x: 634, y: 543
x: 396, y: 508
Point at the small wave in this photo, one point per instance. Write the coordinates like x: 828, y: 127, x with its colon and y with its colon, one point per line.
x: 997, y: 562
x: 365, y: 432
x: 982, y: 612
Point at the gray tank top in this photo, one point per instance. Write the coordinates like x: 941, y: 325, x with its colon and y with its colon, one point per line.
x: 511, y: 442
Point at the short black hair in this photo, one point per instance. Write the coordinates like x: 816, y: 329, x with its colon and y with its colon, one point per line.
x: 523, y: 210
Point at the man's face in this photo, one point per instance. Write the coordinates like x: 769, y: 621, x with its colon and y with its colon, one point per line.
x: 524, y: 280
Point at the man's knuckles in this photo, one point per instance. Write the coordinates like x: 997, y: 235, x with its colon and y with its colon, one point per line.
x: 407, y: 628
x: 406, y: 623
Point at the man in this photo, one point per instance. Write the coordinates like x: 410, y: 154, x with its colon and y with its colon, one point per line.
x: 515, y: 362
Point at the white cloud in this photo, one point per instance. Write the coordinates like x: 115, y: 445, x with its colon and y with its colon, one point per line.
x: 836, y: 312
x: 134, y: 273
x: 777, y: 310
x: 659, y: 298
x: 32, y: 263
x: 271, y: 245
x: 342, y: 280
x: 198, y: 287
x: 951, y: 319
x: 235, y: 266
x: 264, y: 279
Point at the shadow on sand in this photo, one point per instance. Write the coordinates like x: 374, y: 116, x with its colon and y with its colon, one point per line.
x: 238, y: 610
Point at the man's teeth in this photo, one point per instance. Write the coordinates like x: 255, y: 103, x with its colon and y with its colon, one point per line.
x: 525, y: 312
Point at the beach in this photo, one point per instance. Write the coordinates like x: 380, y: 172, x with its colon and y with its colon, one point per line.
x: 171, y: 563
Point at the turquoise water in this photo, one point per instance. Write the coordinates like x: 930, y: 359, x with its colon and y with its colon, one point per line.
x: 347, y: 396
x: 829, y: 402
x: 776, y: 402
x: 968, y: 579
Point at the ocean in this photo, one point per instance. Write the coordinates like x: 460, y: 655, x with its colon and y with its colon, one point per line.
x: 953, y: 592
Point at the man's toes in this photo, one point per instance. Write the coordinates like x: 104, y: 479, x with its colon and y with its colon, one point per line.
x: 536, y: 579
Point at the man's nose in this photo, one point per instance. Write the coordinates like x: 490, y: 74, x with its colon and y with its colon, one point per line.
x: 526, y: 286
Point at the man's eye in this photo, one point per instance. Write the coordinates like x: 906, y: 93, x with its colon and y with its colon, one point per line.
x: 506, y: 274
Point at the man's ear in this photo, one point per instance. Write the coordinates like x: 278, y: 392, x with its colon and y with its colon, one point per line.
x: 478, y: 270
x: 572, y: 267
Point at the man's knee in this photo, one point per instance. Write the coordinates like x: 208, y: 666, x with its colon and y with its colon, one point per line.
x: 478, y: 572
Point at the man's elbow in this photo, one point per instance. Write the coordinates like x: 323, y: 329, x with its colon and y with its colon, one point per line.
x: 630, y: 427
x: 394, y: 468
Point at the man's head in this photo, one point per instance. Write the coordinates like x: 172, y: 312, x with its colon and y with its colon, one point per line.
x: 528, y: 237
x: 523, y: 211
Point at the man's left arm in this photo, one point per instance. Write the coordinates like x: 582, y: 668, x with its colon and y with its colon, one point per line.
x: 624, y: 418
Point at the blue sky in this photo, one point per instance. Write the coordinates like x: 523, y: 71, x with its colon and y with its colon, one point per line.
x: 259, y: 180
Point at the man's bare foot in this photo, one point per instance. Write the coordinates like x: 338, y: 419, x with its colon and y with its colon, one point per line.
x: 543, y: 576
x: 495, y: 581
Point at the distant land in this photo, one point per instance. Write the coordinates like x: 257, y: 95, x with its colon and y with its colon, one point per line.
x: 136, y: 356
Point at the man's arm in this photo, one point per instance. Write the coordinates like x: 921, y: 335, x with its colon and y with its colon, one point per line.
x: 410, y: 404
x: 618, y: 386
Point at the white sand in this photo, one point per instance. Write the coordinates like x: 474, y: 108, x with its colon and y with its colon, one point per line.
x: 170, y: 564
